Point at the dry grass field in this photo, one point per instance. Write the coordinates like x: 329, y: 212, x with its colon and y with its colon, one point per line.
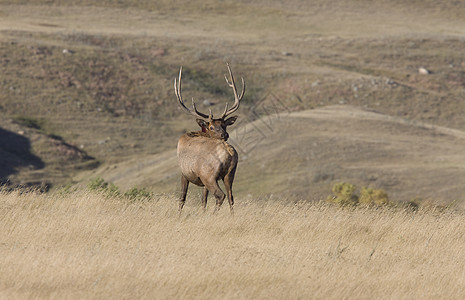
x: 86, y: 246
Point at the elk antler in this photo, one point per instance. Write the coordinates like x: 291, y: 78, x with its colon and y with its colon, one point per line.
x: 195, y: 112
x: 237, y: 99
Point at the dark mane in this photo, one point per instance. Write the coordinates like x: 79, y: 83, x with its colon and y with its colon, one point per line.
x: 197, y: 134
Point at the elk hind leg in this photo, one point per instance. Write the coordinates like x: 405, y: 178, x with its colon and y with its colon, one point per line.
x: 204, y: 198
x: 228, y: 181
x: 215, y: 189
x: 184, y: 186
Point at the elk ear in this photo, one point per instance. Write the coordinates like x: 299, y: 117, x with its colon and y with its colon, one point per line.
x: 230, y: 121
x: 202, y: 123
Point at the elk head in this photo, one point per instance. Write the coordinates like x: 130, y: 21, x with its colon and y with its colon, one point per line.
x: 213, y: 127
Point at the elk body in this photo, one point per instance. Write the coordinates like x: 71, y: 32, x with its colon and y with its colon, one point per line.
x: 204, y: 156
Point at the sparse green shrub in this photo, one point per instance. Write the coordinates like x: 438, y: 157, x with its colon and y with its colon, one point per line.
x: 29, y: 122
x: 136, y: 194
x: 343, y: 194
x: 100, y: 185
x: 369, y: 196
x: 97, y: 184
x: 109, y: 189
x: 414, y: 204
x: 112, y: 190
x: 67, y: 189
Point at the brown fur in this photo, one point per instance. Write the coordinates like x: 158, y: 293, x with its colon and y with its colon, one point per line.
x: 203, y: 161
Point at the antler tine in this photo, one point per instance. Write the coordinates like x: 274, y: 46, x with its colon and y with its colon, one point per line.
x: 237, y: 99
x: 198, y: 113
x: 177, y: 91
x: 225, y: 111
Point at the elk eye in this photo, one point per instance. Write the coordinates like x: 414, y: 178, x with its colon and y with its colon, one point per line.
x: 212, y: 128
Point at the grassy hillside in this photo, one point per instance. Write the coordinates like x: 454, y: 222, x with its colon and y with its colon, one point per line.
x: 96, y: 79
x: 301, y: 155
x: 87, y: 246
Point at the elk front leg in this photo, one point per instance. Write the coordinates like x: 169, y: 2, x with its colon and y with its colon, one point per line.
x: 204, y: 198
x: 184, y: 186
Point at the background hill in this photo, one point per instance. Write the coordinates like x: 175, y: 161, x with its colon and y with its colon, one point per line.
x: 334, y: 92
x: 299, y: 155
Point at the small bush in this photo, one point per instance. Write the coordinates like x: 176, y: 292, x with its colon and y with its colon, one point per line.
x: 369, y: 196
x: 29, y: 122
x: 67, y: 189
x: 136, y: 194
x: 413, y: 204
x: 343, y: 194
x: 101, y: 186
x: 97, y: 184
x: 111, y: 190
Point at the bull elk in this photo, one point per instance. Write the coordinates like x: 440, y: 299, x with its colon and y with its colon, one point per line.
x: 204, y: 156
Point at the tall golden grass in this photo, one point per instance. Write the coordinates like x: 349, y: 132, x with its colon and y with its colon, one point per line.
x: 83, y: 245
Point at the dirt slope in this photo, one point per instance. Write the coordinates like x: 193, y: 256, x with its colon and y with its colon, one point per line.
x: 300, y: 155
